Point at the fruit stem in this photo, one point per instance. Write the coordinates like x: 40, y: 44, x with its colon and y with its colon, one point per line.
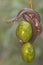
x: 30, y: 3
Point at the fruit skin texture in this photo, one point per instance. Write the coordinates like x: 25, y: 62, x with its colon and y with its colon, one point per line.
x: 24, y: 31
x: 27, y: 52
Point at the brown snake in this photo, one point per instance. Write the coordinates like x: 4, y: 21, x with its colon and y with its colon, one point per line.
x: 33, y: 18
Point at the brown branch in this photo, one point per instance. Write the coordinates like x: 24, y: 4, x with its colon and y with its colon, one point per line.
x: 26, y: 13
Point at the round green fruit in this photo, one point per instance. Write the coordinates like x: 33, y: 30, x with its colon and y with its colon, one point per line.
x: 24, y: 31
x: 27, y: 52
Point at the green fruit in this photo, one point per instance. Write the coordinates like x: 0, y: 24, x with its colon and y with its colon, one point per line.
x: 24, y: 31
x: 27, y: 52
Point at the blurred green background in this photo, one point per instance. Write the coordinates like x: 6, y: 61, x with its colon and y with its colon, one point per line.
x: 9, y: 44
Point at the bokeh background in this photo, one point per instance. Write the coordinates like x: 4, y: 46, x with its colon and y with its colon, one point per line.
x: 9, y: 43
